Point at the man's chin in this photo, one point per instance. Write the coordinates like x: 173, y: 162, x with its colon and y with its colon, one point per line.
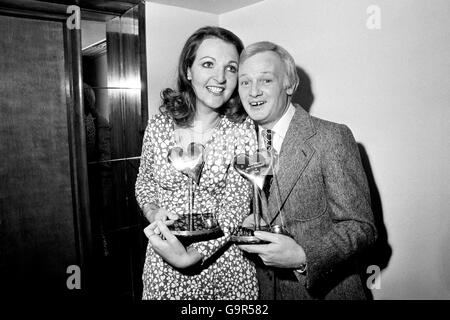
x: 256, y: 116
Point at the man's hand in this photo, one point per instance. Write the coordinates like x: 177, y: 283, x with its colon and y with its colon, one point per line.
x: 169, y: 247
x: 152, y: 212
x: 281, y: 252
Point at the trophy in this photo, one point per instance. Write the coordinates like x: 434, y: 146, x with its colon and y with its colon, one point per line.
x: 190, y: 162
x: 256, y: 169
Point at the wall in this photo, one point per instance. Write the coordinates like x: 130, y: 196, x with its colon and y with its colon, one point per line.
x: 167, y: 29
x: 391, y: 87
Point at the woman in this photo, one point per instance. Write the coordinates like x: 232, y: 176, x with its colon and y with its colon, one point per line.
x: 205, y: 109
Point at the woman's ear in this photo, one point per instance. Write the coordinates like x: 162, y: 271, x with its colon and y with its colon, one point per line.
x: 189, y: 74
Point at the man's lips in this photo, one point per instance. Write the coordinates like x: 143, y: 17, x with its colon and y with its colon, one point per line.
x: 256, y: 103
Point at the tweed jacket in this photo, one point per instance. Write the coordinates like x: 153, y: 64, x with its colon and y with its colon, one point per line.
x: 322, y: 192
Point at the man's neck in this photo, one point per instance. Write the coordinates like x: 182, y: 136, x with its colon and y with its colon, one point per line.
x: 272, y: 124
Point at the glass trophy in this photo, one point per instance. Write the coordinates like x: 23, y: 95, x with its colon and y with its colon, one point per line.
x: 192, y: 226
x: 257, y: 169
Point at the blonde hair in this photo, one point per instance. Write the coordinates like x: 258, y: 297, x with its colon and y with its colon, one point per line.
x: 292, y: 79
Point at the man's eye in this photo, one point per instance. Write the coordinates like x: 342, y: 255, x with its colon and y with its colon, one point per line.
x: 244, y: 83
x: 207, y: 64
x: 267, y: 81
x: 232, y: 69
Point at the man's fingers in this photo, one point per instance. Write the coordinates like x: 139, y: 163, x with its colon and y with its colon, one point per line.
x: 267, y: 236
x: 253, y: 248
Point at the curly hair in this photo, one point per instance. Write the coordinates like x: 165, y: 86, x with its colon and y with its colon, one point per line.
x: 180, y: 104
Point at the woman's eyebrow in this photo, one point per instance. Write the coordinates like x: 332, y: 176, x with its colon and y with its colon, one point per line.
x: 207, y: 57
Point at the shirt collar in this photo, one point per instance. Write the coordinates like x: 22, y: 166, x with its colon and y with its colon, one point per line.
x: 280, y: 128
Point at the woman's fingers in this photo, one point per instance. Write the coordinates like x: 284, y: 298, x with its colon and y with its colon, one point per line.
x: 148, y: 232
x: 172, y: 216
x: 165, y: 232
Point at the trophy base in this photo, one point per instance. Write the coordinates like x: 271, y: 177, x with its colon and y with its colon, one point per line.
x: 205, y: 227
x: 246, y: 235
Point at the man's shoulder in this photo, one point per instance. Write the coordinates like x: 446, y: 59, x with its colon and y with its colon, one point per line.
x: 310, y: 124
x: 328, y: 133
x: 322, y: 125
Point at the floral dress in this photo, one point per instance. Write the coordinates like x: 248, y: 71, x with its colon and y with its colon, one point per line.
x: 225, y: 273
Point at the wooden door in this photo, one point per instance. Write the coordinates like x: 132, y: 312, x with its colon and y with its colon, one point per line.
x: 44, y: 217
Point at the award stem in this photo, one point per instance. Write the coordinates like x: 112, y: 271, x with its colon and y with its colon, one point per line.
x: 256, y: 211
x: 191, y: 205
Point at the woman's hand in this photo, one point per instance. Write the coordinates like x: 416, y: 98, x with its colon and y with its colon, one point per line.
x: 169, y: 247
x: 152, y: 212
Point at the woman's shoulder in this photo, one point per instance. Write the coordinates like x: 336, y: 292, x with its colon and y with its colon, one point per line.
x: 246, y: 125
x: 158, y: 121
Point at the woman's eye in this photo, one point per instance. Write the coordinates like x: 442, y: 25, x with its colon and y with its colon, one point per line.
x: 232, y: 69
x: 207, y: 64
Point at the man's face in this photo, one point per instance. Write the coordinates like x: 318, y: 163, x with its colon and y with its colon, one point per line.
x: 263, y: 89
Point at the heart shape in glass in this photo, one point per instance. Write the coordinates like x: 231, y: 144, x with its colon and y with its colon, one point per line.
x: 189, y: 162
x: 255, y: 168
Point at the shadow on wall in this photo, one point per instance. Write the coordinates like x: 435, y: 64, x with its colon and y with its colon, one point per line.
x: 303, y: 95
x: 381, y: 252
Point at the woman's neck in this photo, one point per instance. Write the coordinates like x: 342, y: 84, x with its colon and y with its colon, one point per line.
x: 205, y: 120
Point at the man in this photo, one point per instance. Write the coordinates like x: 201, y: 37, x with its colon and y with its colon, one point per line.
x: 319, y: 187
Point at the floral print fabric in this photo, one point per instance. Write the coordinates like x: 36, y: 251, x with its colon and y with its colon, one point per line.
x: 225, y: 273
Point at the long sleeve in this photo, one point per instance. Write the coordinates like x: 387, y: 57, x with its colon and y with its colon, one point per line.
x: 145, y: 188
x: 348, y: 200
x: 235, y: 201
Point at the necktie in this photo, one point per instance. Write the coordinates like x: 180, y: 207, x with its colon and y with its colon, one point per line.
x: 267, y: 136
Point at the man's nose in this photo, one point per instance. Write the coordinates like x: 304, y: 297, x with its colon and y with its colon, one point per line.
x: 255, y: 91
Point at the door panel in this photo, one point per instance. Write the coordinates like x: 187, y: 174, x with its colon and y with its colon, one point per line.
x: 39, y: 206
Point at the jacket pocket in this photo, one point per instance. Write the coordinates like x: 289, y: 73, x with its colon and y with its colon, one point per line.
x: 309, y: 213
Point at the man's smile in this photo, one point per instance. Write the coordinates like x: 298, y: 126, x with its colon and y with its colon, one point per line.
x: 257, y: 103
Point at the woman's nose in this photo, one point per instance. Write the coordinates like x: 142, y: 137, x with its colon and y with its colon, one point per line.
x: 220, y: 76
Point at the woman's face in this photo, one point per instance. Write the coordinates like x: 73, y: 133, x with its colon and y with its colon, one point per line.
x: 214, y: 73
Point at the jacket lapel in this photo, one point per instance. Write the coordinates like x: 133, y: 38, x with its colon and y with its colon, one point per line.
x: 293, y: 158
